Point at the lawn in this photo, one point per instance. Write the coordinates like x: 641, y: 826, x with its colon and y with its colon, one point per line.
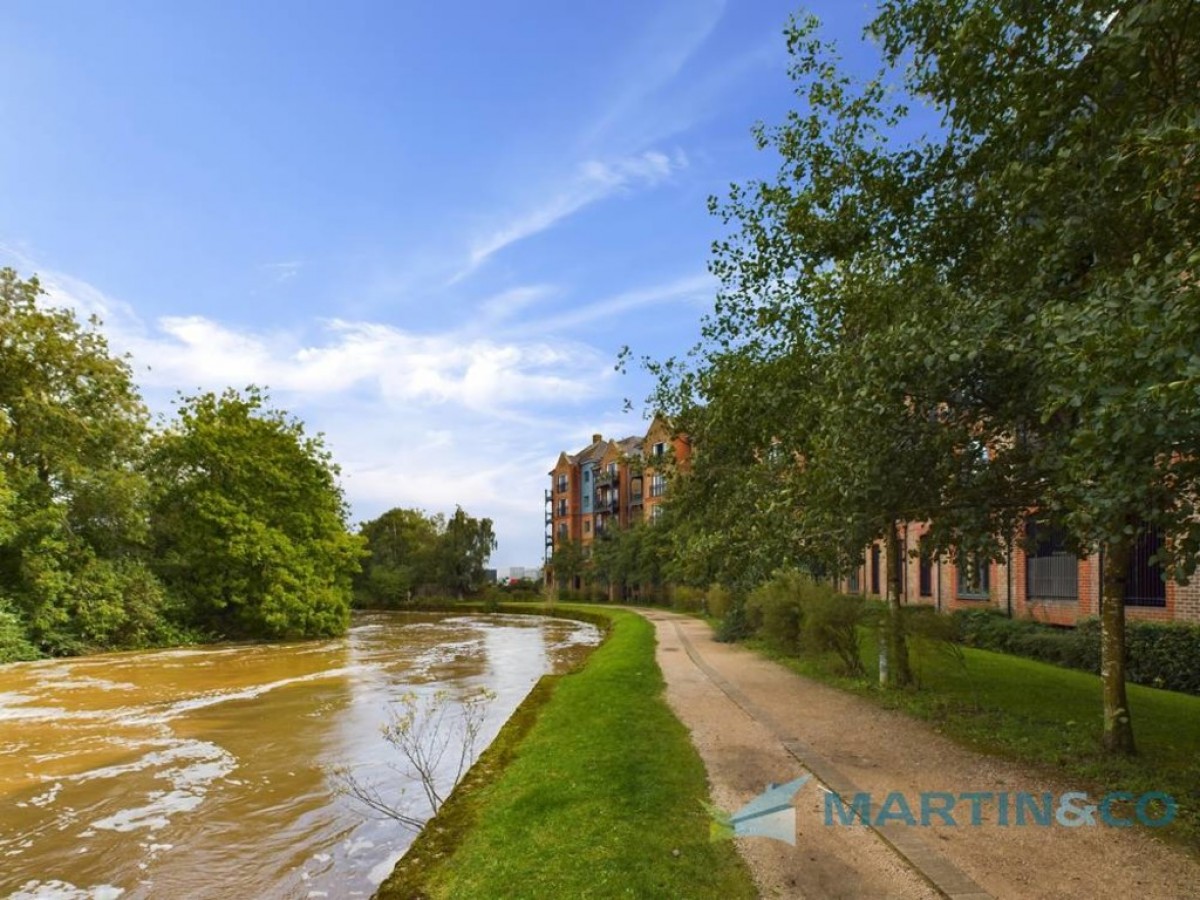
x: 593, y: 790
x: 1043, y: 714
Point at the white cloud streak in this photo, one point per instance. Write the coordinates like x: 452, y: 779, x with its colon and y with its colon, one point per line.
x: 594, y: 181
x: 700, y: 287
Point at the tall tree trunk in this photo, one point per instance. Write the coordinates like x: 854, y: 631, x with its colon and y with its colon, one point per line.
x: 899, y: 672
x: 1118, y: 725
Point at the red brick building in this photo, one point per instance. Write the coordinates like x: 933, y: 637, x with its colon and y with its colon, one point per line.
x: 1038, y: 578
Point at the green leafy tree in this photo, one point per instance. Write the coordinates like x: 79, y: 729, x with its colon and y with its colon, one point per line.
x: 567, y: 563
x: 402, y: 545
x: 72, y: 502
x: 631, y: 560
x: 463, y: 548
x: 249, y: 521
x: 1067, y: 201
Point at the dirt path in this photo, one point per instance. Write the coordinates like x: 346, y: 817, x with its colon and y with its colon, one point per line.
x: 755, y: 722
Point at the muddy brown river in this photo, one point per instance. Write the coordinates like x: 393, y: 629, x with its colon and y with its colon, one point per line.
x: 199, y: 773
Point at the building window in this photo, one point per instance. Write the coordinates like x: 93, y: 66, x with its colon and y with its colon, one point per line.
x: 660, y: 449
x: 925, y: 575
x: 1144, y: 583
x: 1051, y: 570
x: 852, y: 585
x: 562, y: 507
x: 562, y: 484
x: 562, y: 531
x: 612, y: 470
x: 587, y: 526
x: 974, y: 582
x: 656, y: 513
x: 875, y: 569
x: 658, y: 485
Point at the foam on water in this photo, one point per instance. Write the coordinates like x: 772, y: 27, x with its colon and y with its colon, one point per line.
x: 63, y: 890
x: 205, y: 763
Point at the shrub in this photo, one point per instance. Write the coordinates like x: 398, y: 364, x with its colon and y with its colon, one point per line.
x: 829, y: 623
x: 774, y: 608
x: 1165, y: 656
x: 687, y: 599
x: 736, y: 625
x: 718, y: 601
x: 14, y: 645
x: 1158, y: 655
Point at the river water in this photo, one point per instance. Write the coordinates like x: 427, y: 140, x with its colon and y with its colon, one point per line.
x: 199, y: 773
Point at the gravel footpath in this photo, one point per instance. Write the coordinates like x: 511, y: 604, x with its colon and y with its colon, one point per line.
x: 755, y: 722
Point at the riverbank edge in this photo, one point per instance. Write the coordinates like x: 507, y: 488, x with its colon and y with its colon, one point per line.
x: 652, y: 835
x: 442, y: 834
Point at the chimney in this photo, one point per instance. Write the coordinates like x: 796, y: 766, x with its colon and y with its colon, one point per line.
x: 597, y: 438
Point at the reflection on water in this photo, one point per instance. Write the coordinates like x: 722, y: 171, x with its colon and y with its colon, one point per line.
x: 204, y: 772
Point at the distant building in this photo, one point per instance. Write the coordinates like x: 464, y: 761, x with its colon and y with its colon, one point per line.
x: 524, y: 573
x: 609, y: 484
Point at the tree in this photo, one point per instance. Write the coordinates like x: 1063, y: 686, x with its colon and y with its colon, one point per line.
x: 567, y: 563
x: 463, y: 548
x: 249, y: 521
x: 72, y: 502
x: 411, y: 552
x: 402, y: 548
x: 1070, y: 173
x: 631, y: 559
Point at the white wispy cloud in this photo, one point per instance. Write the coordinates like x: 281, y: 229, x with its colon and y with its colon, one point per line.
x: 670, y: 39
x: 700, y: 287
x: 509, y: 303
x: 594, y: 181
x: 283, y: 271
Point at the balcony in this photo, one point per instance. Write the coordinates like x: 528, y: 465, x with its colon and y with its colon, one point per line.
x: 635, y: 499
x: 607, y: 479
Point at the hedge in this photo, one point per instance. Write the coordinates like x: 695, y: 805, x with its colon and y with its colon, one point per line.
x: 1163, y: 656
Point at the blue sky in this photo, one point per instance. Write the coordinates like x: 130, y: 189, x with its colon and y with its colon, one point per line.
x: 427, y: 228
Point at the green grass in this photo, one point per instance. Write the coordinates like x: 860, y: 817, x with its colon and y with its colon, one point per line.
x: 592, y: 790
x: 1045, y: 715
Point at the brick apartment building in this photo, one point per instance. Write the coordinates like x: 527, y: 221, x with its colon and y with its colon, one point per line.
x: 609, y: 484
x: 1038, y: 578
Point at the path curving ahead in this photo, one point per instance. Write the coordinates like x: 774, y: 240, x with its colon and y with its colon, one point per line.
x: 755, y: 722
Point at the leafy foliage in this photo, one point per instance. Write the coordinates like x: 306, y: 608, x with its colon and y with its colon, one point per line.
x: 412, y: 554
x: 631, y: 562
x: 249, y: 522
x: 72, y: 504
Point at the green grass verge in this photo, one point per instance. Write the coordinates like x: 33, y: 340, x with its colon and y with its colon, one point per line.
x: 1037, y: 713
x: 593, y: 789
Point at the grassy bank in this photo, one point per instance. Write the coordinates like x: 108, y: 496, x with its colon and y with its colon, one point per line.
x: 592, y: 790
x: 1041, y: 714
